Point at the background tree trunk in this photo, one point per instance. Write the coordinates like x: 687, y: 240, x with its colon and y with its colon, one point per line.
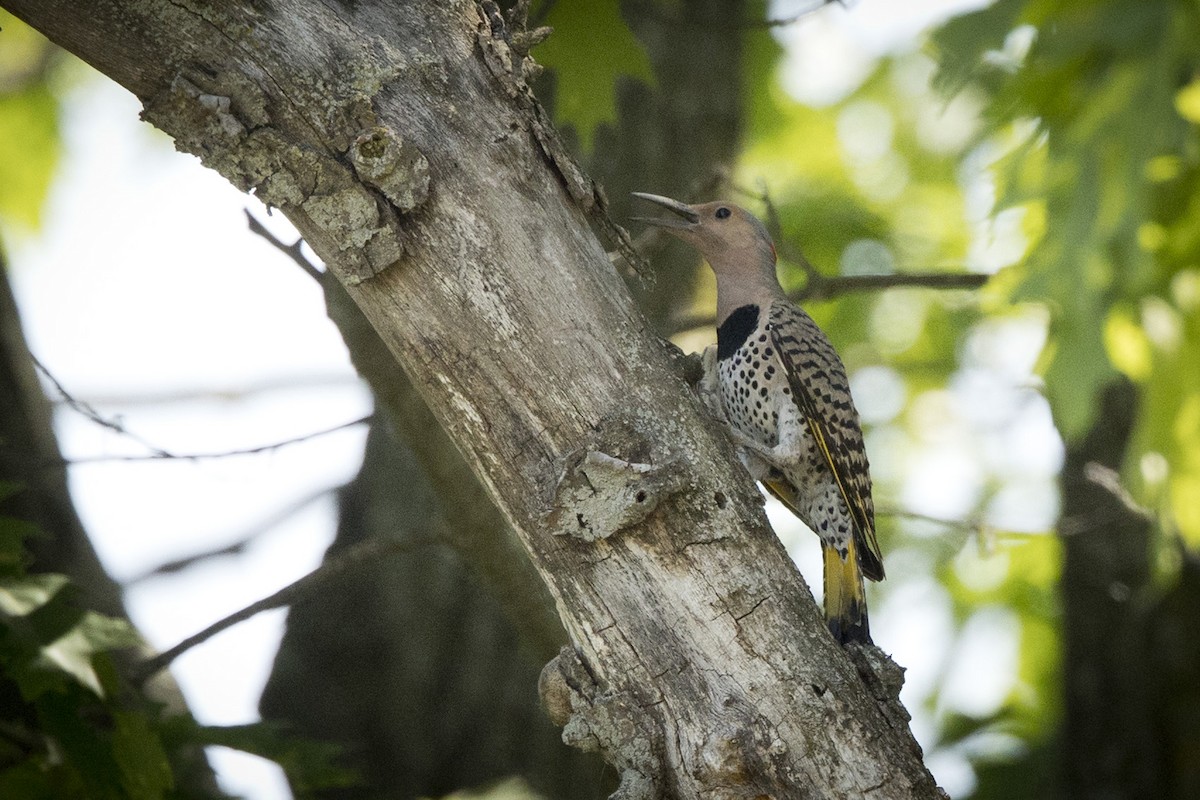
x: 702, y: 666
x: 1131, y: 657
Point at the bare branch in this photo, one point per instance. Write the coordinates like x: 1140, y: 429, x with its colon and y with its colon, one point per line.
x: 226, y: 394
x: 791, y: 19
x: 249, y: 451
x: 239, y: 544
x: 1109, y: 480
x: 293, y: 251
x: 306, y: 588
x: 95, y: 416
x: 828, y: 288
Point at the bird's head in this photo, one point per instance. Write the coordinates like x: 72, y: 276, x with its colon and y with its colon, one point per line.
x: 730, y: 238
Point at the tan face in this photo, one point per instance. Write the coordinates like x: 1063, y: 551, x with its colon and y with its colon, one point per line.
x: 727, y: 234
x: 730, y: 238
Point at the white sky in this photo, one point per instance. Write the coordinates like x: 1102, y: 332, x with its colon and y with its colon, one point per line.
x: 144, y: 280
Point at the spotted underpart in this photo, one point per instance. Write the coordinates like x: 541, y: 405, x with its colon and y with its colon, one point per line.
x: 784, y: 375
x: 751, y: 378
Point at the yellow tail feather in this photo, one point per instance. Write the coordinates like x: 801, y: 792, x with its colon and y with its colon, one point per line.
x: 845, y: 596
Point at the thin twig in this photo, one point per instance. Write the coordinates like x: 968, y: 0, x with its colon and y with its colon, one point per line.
x: 781, y: 22
x: 239, y: 544
x: 960, y: 524
x: 249, y: 451
x: 227, y: 394
x: 292, y: 251
x: 92, y: 414
x: 303, y: 589
x: 788, y: 249
x: 1109, y: 480
x: 829, y: 288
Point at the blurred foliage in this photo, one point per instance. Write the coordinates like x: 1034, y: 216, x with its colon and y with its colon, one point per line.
x: 1100, y: 101
x: 591, y: 48
x: 30, y: 143
x: 72, y: 728
x: 311, y: 766
x: 513, y: 789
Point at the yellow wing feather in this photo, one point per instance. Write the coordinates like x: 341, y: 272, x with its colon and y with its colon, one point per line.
x: 864, y: 527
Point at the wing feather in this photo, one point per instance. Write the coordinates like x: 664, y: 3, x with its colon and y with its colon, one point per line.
x: 809, y: 360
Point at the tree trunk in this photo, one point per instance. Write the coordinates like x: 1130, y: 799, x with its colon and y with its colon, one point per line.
x: 1131, y: 664
x: 395, y: 739
x: 424, y: 669
x: 412, y: 666
x: 405, y: 146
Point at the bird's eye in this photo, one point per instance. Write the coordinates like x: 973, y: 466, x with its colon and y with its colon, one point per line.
x: 723, y: 212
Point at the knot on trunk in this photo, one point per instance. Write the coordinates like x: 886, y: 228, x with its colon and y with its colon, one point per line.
x: 599, y: 495
x: 615, y: 481
x: 396, y: 168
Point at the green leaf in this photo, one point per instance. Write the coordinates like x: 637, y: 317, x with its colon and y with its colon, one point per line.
x: 145, y: 770
x: 78, y: 725
x: 31, y: 779
x: 310, y: 765
x: 590, y: 49
x: 22, y: 596
x: 961, y: 44
x: 30, y: 143
x: 72, y: 653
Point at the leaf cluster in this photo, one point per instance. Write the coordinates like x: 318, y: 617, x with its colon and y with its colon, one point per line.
x: 1099, y: 104
x: 70, y: 726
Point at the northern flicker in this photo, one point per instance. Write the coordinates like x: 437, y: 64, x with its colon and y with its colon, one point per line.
x: 783, y: 390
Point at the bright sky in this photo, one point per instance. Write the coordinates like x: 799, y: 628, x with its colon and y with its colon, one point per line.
x: 145, y: 281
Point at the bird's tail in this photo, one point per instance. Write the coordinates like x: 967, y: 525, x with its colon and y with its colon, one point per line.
x: 845, y: 596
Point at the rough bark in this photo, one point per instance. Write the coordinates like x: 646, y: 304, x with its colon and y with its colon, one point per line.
x: 406, y: 148
x: 412, y: 666
x: 395, y: 739
x: 475, y: 528
x: 424, y: 670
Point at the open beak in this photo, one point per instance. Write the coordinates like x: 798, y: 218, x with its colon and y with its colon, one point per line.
x: 688, y: 217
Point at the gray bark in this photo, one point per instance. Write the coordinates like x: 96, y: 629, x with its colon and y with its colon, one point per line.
x: 390, y: 626
x: 424, y: 668
x: 411, y: 665
x: 405, y: 146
